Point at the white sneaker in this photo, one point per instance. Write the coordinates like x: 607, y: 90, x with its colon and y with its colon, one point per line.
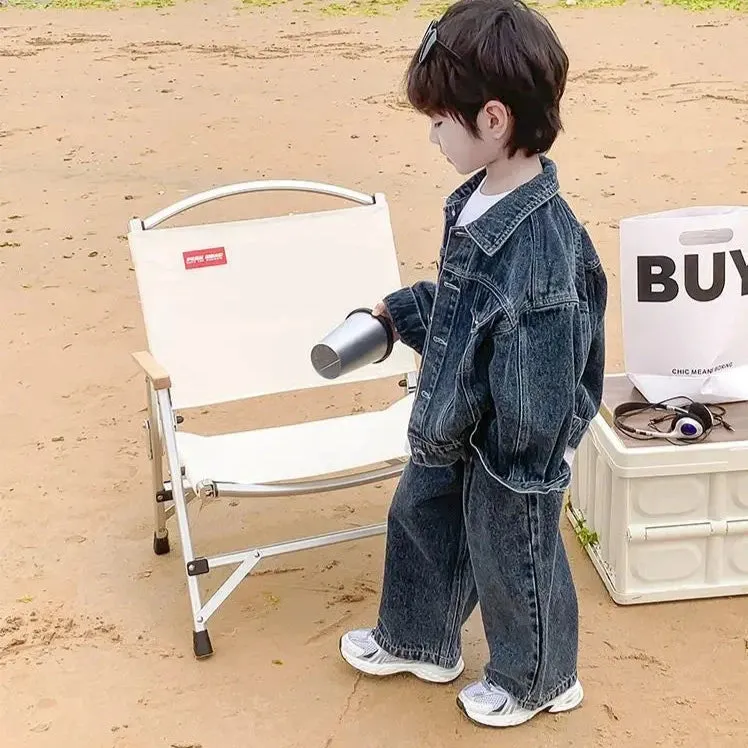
x: 359, y: 650
x: 493, y: 706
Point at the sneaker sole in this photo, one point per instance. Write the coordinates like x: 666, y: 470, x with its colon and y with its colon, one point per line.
x: 567, y: 701
x: 422, y: 670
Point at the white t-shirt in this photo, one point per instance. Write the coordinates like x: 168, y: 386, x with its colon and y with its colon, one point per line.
x: 478, y: 204
x: 475, y: 207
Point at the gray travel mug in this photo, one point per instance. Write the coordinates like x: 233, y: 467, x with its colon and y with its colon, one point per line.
x: 360, y: 340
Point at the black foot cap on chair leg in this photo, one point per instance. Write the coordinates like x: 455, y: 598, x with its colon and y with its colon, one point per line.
x: 201, y: 644
x: 161, y: 545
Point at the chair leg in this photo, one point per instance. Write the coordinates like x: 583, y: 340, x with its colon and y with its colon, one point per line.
x: 200, y: 639
x: 201, y: 644
x: 161, y: 544
x: 155, y: 453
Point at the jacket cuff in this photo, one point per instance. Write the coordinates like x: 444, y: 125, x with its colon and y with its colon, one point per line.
x: 406, y: 318
x: 426, y: 454
x: 577, y: 431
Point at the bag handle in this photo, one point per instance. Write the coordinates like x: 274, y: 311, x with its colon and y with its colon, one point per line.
x: 705, y: 236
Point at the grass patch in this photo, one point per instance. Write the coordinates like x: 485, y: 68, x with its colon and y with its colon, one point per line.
x: 363, y: 7
x: 63, y: 4
x: 437, y: 8
x: 740, y: 6
x: 86, y: 4
x: 261, y: 3
x: 591, y: 3
x: 433, y: 8
x: 585, y: 536
x: 153, y: 3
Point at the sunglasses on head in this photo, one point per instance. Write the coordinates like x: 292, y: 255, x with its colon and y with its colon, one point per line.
x: 430, y: 39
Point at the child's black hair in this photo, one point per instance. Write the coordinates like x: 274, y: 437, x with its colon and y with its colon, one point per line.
x: 494, y: 49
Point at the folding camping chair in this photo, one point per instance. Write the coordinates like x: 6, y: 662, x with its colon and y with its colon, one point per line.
x: 232, y: 311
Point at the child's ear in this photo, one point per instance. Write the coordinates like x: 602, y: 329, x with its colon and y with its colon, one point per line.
x: 497, y: 119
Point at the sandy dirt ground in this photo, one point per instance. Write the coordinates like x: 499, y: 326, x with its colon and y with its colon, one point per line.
x: 109, y: 114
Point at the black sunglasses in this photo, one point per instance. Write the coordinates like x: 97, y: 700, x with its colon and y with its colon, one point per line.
x: 430, y: 39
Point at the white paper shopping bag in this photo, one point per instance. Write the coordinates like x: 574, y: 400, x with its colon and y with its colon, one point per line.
x: 684, y: 303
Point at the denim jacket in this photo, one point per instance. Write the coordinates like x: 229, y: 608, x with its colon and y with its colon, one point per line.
x: 511, y: 337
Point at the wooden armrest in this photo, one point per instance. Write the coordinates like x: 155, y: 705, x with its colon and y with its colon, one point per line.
x: 153, y: 370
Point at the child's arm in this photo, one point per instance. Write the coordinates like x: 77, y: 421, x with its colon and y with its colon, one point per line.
x: 545, y: 380
x: 409, y: 310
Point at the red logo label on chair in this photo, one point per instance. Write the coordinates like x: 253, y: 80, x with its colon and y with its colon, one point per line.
x: 204, y: 258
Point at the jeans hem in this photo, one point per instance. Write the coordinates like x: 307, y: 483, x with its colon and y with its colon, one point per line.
x: 529, y: 701
x: 419, y: 654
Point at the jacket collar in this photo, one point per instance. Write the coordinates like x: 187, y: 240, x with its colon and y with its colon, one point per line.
x: 497, y: 224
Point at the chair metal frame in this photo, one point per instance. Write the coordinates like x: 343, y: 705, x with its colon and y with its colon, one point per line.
x: 172, y: 496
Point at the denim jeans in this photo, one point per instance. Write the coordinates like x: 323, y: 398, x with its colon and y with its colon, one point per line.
x: 456, y: 537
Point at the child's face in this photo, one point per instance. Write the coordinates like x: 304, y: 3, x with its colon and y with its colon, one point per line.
x: 461, y: 148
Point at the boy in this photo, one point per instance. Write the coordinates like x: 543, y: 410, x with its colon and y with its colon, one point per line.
x: 512, y: 343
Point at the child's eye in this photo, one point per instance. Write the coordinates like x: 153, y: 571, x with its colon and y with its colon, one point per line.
x: 436, y: 124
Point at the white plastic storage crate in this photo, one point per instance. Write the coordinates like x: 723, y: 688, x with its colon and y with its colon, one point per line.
x: 671, y: 521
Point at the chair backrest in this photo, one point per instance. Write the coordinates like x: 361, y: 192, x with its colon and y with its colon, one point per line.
x: 232, y: 310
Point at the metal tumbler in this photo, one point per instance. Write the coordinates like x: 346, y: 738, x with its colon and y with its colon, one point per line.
x: 360, y: 340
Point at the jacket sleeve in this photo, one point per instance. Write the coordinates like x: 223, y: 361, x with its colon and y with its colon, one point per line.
x: 410, y: 309
x: 544, y: 382
x: 589, y: 391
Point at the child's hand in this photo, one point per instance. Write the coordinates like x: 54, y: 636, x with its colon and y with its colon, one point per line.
x: 380, y: 310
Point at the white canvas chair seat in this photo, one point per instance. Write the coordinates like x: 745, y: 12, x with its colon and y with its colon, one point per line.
x: 232, y: 311
x: 299, y: 451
